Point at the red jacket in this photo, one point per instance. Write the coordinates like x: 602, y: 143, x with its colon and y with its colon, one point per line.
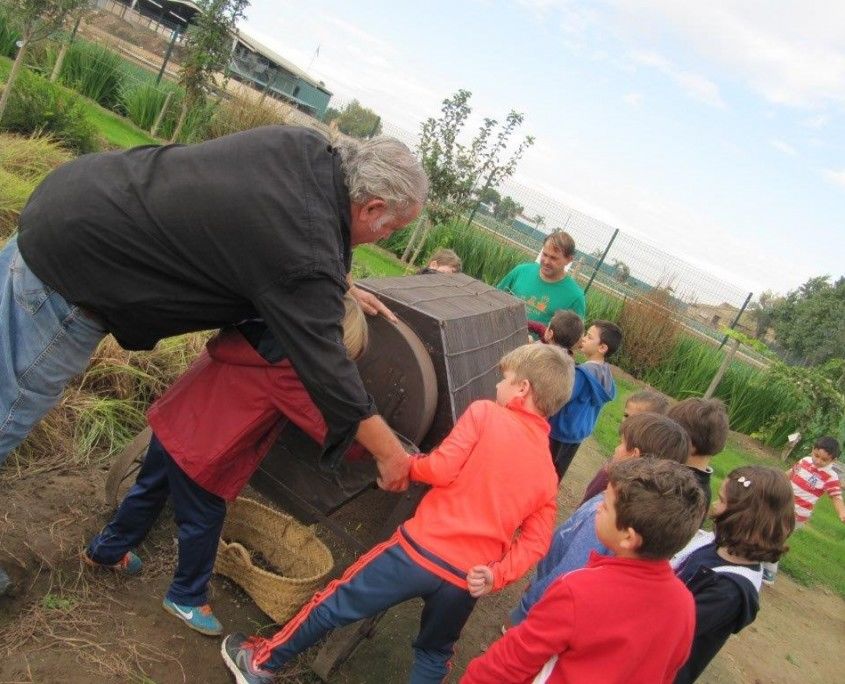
x: 220, y: 418
x: 615, y: 621
x: 492, y: 475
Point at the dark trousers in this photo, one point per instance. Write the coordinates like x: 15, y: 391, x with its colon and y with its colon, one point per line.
x: 198, y: 514
x: 379, y: 579
x: 562, y: 455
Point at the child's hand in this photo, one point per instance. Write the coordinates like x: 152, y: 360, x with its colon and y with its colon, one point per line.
x: 479, y: 581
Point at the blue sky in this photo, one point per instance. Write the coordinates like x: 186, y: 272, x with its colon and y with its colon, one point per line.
x: 712, y: 130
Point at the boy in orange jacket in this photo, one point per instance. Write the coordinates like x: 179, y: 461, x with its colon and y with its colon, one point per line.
x: 490, y: 477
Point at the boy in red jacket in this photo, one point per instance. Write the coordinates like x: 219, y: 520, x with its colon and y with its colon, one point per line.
x: 210, y: 431
x: 624, y: 619
x: 491, y: 476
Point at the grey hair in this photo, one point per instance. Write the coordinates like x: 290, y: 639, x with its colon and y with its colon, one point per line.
x: 383, y: 168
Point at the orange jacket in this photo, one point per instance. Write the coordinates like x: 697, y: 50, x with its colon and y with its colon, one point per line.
x: 491, y: 476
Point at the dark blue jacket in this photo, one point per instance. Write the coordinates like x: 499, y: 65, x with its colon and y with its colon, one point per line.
x: 593, y: 388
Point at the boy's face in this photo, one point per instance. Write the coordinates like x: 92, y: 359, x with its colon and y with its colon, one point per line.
x: 508, y: 388
x: 622, y: 452
x: 606, y: 529
x: 591, y: 343
x: 434, y: 266
x: 635, y: 408
x: 821, y: 458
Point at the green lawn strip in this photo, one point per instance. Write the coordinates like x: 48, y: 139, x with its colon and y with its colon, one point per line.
x: 116, y: 130
x: 376, y: 262
x: 816, y: 552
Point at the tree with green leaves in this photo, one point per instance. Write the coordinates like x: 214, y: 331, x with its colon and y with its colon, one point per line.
x: 809, y: 323
x: 538, y: 221
x: 458, y: 173
x: 621, y: 271
x: 489, y: 196
x: 508, y: 209
x: 36, y: 20
x: 208, y: 47
x: 356, y: 120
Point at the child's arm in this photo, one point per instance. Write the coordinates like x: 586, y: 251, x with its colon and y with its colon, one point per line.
x: 523, y: 650
x: 528, y: 547
x: 839, y: 505
x: 444, y: 463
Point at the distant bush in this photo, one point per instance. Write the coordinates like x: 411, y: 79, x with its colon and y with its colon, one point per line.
x: 93, y: 71
x: 37, y: 106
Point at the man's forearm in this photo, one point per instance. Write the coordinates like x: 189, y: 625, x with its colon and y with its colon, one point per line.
x: 393, y: 463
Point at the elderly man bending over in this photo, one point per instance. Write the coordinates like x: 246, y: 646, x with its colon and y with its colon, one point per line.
x: 159, y: 241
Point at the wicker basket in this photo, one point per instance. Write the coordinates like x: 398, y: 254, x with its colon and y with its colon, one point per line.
x: 301, y: 558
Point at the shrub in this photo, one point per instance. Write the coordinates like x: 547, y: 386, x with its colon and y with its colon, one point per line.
x: 93, y: 71
x: 37, y: 106
x: 23, y: 164
x: 650, y: 328
x: 142, y: 102
x: 240, y: 114
x: 9, y: 35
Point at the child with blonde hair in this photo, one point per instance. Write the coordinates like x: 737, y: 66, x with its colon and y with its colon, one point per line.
x: 752, y: 519
x: 490, y: 477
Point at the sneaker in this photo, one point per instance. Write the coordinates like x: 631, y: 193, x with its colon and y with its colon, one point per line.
x: 237, y: 651
x: 768, y: 577
x: 199, y: 618
x: 130, y: 564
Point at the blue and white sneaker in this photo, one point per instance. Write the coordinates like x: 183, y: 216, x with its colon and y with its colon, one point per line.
x: 199, y: 618
x: 238, y: 651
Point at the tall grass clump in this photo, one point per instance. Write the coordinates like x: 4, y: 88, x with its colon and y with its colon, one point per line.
x: 603, y: 306
x: 143, y: 100
x: 241, y: 114
x: 23, y: 164
x: 37, y: 106
x: 93, y: 71
x: 9, y: 35
x: 650, y: 329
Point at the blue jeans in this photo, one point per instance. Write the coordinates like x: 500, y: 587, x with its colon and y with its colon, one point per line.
x: 198, y: 513
x: 44, y: 342
x: 379, y: 579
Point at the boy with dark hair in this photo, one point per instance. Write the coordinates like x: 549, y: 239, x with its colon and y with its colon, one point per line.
x: 461, y: 543
x: 565, y: 330
x: 621, y: 619
x: 811, y: 478
x: 573, y: 542
x: 594, y: 387
x: 706, y: 423
x: 644, y: 401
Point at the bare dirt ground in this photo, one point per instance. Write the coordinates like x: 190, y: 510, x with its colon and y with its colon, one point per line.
x: 67, y: 624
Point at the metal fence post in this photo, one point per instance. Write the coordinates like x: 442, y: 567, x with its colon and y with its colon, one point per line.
x: 167, y: 56
x: 736, y: 320
x: 600, y: 261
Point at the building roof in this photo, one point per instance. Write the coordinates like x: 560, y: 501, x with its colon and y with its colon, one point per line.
x: 257, y: 46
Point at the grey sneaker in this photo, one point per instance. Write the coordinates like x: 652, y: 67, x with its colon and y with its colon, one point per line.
x: 237, y: 651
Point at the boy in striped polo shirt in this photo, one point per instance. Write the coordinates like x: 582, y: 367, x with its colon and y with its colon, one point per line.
x: 812, y: 477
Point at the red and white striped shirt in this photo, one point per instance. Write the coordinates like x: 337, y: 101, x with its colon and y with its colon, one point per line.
x: 809, y: 482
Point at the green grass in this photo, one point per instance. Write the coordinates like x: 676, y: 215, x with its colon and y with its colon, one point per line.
x: 816, y: 552
x: 369, y: 260
x: 116, y: 130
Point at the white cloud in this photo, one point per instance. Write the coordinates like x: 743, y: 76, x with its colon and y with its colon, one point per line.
x: 792, y: 53
x: 784, y: 147
x: 633, y: 99
x: 835, y: 177
x: 695, y: 85
x: 818, y: 121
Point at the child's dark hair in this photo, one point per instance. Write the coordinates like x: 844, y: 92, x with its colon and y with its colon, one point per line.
x: 657, y: 436
x: 828, y: 444
x: 656, y: 402
x: 706, y: 422
x: 661, y: 500
x: 566, y: 328
x: 610, y: 335
x: 759, y: 514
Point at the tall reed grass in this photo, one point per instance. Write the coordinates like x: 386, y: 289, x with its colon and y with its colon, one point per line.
x: 93, y: 71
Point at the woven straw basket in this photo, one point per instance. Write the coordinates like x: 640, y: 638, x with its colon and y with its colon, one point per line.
x: 302, y: 559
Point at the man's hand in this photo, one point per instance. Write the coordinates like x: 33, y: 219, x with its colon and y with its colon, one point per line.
x: 371, y: 304
x: 479, y: 580
x: 393, y: 474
